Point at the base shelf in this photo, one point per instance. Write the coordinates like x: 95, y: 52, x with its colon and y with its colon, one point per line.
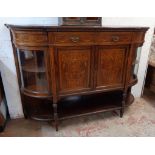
x: 76, y: 106
x: 86, y: 105
x: 42, y: 117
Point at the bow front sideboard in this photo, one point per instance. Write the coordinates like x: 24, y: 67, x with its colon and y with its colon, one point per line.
x: 70, y: 71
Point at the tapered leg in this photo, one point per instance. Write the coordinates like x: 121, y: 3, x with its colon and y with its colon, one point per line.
x: 55, y: 116
x: 121, y: 112
x: 25, y: 114
x: 123, y: 105
x: 1, y: 128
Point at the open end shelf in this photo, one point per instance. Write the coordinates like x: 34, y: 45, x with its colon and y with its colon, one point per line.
x: 39, y: 109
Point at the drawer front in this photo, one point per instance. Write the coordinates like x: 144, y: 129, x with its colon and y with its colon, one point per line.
x: 30, y: 38
x: 113, y: 37
x: 72, y: 38
x: 76, y: 38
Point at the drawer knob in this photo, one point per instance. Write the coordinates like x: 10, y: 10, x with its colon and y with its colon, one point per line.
x: 115, y: 38
x: 74, y: 39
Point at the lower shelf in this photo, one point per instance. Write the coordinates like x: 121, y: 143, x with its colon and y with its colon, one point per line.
x: 42, y: 117
x: 76, y: 106
x: 86, y: 105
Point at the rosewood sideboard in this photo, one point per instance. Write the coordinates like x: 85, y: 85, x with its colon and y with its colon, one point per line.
x: 70, y: 71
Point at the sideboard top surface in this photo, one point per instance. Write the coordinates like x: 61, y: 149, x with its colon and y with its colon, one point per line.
x: 74, y: 28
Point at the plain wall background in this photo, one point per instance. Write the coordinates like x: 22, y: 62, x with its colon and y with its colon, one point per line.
x: 7, y: 64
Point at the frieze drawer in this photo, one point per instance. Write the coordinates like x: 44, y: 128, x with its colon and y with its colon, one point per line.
x: 113, y: 37
x: 22, y: 38
x: 71, y: 38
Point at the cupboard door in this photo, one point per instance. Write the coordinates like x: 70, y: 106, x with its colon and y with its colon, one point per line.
x: 74, y: 69
x: 110, y: 65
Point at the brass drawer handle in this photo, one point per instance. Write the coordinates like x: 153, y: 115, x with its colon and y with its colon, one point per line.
x: 74, y: 39
x: 115, y: 38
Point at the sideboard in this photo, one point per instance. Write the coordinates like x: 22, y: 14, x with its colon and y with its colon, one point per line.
x: 70, y: 71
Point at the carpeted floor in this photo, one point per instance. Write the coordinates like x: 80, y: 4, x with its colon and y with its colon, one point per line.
x: 138, y: 120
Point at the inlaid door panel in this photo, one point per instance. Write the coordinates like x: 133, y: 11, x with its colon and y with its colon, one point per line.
x: 74, y: 69
x: 110, y: 64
